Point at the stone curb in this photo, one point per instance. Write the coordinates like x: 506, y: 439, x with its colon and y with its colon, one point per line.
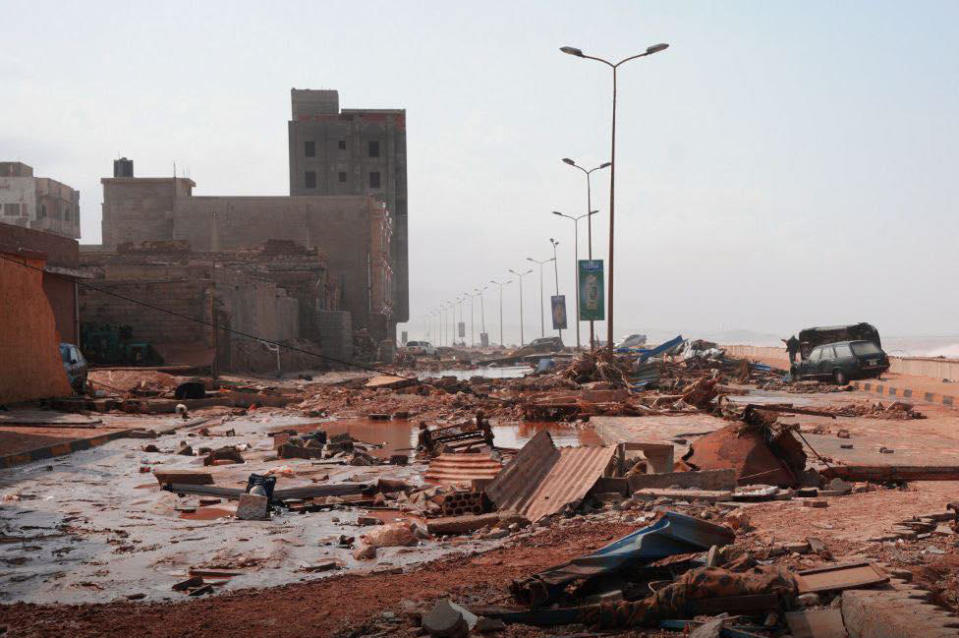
x: 905, y: 393
x: 59, y: 449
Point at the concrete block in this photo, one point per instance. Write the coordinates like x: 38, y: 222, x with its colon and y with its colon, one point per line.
x: 253, y: 507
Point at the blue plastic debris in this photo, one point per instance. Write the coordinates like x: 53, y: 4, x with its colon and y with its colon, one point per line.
x: 672, y: 534
x: 661, y: 348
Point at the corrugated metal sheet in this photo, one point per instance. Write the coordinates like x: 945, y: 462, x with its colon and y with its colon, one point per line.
x: 543, y: 478
x: 461, y: 469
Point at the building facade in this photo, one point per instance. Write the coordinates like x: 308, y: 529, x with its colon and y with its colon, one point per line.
x: 354, y: 152
x: 61, y: 272
x: 319, y: 268
x: 38, y: 203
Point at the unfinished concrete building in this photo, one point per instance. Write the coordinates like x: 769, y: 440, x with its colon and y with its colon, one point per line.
x: 39, y: 203
x: 354, y: 152
x: 308, y: 270
x: 277, y: 292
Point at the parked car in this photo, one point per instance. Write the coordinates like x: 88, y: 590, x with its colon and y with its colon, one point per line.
x: 75, y: 366
x: 419, y: 348
x: 543, y: 344
x: 842, y: 361
x: 632, y: 341
x: 812, y: 337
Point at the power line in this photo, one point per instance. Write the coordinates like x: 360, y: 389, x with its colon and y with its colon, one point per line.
x: 324, y: 357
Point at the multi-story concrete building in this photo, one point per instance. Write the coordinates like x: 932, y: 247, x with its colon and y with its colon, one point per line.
x: 39, y: 203
x: 354, y: 152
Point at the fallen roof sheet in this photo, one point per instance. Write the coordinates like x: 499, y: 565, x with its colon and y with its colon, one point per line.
x: 543, y: 479
x: 454, y: 469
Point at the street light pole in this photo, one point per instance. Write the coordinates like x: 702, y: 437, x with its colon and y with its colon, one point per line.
x: 501, y: 285
x: 556, y: 276
x: 575, y: 221
x: 520, y: 277
x: 479, y: 292
x: 656, y: 48
x: 589, y: 234
x: 542, y: 301
x: 472, y: 342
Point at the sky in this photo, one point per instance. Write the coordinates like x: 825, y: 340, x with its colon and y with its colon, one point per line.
x: 781, y: 165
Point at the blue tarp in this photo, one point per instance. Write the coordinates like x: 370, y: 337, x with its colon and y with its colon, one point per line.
x: 672, y: 534
x: 646, y: 353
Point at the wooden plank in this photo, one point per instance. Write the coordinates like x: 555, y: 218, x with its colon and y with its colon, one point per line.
x: 185, y: 477
x: 839, y: 577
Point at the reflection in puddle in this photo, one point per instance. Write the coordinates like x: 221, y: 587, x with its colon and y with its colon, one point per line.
x: 207, y: 514
x: 400, y: 435
x: 503, y: 372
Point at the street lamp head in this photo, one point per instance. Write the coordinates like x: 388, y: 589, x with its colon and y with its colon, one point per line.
x: 572, y: 51
x: 593, y: 212
x: 530, y: 259
x: 566, y: 160
x: 556, y: 212
x: 605, y: 165
x: 656, y: 48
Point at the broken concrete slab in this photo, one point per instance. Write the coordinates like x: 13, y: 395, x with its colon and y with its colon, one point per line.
x: 704, y: 480
x: 710, y: 496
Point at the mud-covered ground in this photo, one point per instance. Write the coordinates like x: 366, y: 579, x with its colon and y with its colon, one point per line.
x: 385, y: 597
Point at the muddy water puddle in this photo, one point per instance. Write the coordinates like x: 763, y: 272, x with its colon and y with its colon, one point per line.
x: 503, y: 372
x: 401, y: 435
x: 207, y: 513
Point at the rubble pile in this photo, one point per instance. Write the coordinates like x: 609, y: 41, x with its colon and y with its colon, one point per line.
x: 456, y: 464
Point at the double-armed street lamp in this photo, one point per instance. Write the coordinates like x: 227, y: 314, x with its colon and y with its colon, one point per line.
x: 656, y: 48
x: 576, y: 266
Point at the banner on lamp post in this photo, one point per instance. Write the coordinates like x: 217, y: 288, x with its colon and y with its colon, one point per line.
x: 559, y: 311
x: 592, y: 298
x: 462, y: 329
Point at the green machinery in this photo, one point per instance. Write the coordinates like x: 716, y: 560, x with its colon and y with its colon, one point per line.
x: 112, y: 344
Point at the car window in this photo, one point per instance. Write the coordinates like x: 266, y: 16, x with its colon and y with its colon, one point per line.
x: 815, y: 354
x: 863, y: 348
x: 828, y: 353
x: 842, y: 350
x: 65, y: 353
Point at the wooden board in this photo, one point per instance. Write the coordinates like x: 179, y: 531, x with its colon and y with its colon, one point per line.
x: 838, y: 577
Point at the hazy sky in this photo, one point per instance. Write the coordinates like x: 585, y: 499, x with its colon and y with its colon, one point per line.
x: 780, y: 165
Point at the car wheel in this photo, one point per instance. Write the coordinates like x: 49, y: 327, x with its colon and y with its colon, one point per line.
x: 840, y: 377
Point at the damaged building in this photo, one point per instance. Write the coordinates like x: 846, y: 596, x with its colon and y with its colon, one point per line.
x: 312, y: 272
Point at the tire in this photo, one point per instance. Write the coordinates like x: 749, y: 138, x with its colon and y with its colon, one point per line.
x: 840, y: 377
